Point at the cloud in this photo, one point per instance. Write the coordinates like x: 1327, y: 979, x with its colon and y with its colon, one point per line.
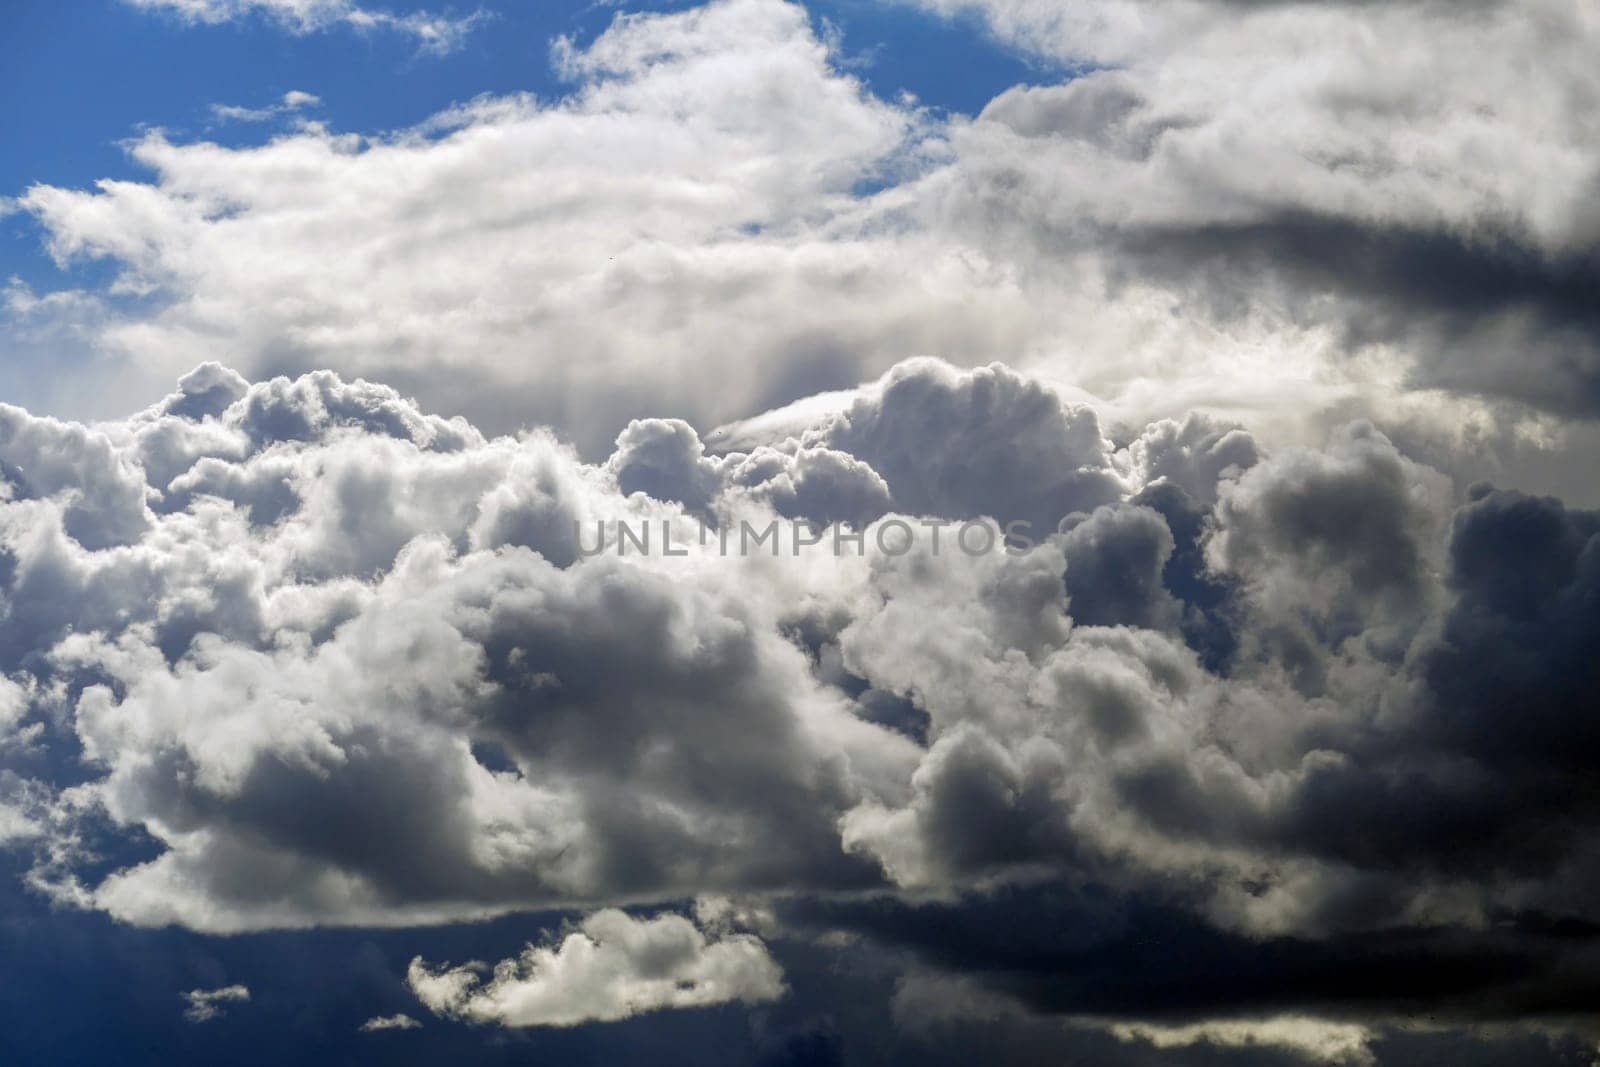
x: 434, y: 34
x: 929, y: 1005
x: 611, y: 967
x: 206, y: 1004
x: 294, y: 100
x: 1318, y: 180
x: 335, y: 660
x: 380, y: 1023
x: 1091, y: 232
x: 987, y: 442
x: 1272, y: 690
x: 682, y: 180
x: 1314, y: 1039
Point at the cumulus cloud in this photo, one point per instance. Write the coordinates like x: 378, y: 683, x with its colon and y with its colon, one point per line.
x: 434, y: 33
x: 339, y: 661
x: 1269, y: 687
x: 207, y: 1004
x: 612, y: 966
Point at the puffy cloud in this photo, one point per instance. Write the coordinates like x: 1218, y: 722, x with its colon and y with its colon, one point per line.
x: 206, y: 1004
x: 337, y: 661
x: 1277, y: 701
x: 679, y: 188
x: 381, y: 1023
x: 102, y: 496
x: 986, y: 442
x: 1194, y: 455
x: 1333, y: 544
x: 612, y: 966
x: 665, y: 459
x: 1116, y: 561
x: 819, y: 484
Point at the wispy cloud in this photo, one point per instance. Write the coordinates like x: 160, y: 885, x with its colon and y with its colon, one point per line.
x: 205, y: 1004
x: 292, y: 101
x: 435, y: 34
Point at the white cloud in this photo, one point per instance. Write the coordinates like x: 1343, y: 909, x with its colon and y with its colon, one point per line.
x: 435, y: 34
x: 381, y: 1023
x: 1129, y: 235
x: 207, y: 1004
x: 682, y: 191
x: 611, y: 967
x: 292, y: 101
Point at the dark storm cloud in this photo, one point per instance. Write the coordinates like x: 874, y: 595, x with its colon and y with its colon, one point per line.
x: 1205, y: 596
x: 1483, y: 312
x: 1271, y: 168
x: 1100, y: 953
x: 1116, y: 559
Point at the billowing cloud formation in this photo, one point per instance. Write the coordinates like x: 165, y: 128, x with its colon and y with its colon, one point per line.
x: 1315, y: 234
x: 1312, y: 235
x: 680, y: 186
x: 434, y: 33
x: 296, y: 652
x: 205, y: 1004
x: 1259, y: 724
x: 611, y: 967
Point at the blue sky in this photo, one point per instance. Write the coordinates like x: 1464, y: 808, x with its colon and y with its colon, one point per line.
x: 80, y: 78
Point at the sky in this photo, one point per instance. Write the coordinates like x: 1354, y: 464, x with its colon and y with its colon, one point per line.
x: 96, y: 75
x: 744, y: 532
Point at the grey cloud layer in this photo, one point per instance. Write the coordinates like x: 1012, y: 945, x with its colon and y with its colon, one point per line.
x: 296, y: 652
